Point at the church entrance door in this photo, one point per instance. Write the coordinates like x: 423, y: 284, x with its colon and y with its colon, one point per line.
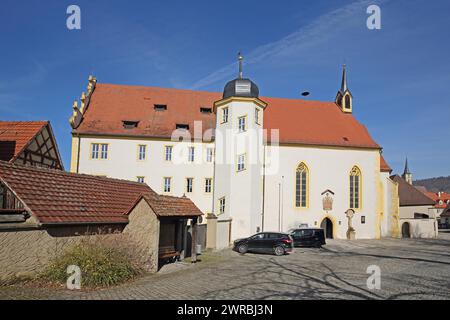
x: 327, y: 226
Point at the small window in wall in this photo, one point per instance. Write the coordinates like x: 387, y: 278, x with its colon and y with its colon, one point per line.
x: 205, y: 110
x: 168, y: 153
x: 167, y: 184
x: 189, y: 184
x: 209, y: 154
x: 208, y: 185
x: 142, y: 152
x: 241, y: 162
x: 257, y: 116
x: 225, y: 115
x: 104, y: 153
x: 160, y: 107
x: 363, y: 219
x: 242, y: 123
x: 182, y: 126
x: 130, y: 124
x: 141, y: 179
x: 222, y: 205
x: 191, y: 155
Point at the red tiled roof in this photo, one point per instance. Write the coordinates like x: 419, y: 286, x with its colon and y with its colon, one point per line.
x: 444, y: 196
x: 55, y: 196
x: 384, y: 167
x: 15, y: 135
x: 299, y: 121
x: 168, y: 206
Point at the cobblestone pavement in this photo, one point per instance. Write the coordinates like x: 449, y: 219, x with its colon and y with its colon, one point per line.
x: 410, y: 269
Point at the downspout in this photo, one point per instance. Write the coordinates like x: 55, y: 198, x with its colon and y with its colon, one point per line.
x: 78, y: 155
x: 263, y: 189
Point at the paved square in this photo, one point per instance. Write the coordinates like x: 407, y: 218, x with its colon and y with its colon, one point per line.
x: 410, y: 269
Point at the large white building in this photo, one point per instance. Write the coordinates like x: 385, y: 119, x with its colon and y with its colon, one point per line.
x: 250, y: 163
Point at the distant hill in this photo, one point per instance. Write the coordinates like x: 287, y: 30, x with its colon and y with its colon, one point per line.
x: 435, y: 184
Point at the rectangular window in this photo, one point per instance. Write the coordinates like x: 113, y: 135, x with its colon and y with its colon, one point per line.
x: 209, y: 154
x: 242, y: 124
x: 141, y: 179
x: 191, y: 156
x: 104, y: 154
x: 208, y: 185
x: 142, y: 152
x: 189, y: 184
x: 257, y: 115
x: 241, y: 162
x: 363, y: 219
x: 169, y: 153
x: 99, y: 150
x: 222, y: 205
x: 167, y: 184
x: 224, y: 115
x: 94, y: 150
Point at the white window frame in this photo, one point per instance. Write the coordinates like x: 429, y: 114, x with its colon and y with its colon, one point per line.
x: 167, y: 184
x: 189, y: 185
x: 209, y: 154
x: 241, y: 162
x: 242, y: 125
x: 142, y: 152
x: 191, y: 154
x: 225, y: 114
x: 168, y: 150
x: 222, y: 205
x: 140, y: 179
x: 208, y: 185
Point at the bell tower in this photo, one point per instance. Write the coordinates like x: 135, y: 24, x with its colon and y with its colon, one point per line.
x: 344, y: 98
x: 407, y: 175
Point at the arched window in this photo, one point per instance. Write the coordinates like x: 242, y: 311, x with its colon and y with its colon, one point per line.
x: 348, y: 102
x: 301, y: 186
x: 355, y: 188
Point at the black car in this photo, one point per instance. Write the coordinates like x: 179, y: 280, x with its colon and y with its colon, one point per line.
x: 265, y: 242
x: 308, y: 237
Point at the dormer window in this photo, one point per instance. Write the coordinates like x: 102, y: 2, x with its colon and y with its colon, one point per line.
x: 160, y: 107
x: 182, y: 126
x: 205, y: 110
x: 130, y: 124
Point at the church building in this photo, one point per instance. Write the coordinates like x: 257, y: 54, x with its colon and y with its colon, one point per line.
x: 250, y: 163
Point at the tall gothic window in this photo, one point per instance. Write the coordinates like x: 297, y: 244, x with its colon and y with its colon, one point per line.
x: 301, y: 186
x: 355, y: 188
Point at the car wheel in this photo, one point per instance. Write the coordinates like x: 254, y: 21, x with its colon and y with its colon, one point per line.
x: 279, y: 251
x: 243, y: 249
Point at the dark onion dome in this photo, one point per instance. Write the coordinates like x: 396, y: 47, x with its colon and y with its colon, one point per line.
x: 241, y: 87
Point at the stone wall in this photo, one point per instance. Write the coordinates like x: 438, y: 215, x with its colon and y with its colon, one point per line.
x: 26, y: 251
x: 143, y: 229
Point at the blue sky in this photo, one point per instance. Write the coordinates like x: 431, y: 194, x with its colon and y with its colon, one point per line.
x: 399, y: 75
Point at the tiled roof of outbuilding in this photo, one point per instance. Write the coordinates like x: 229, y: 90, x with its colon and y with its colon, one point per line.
x: 409, y: 195
x: 55, y: 196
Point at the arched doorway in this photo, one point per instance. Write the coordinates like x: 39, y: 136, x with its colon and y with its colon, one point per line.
x: 406, y: 233
x: 327, y: 226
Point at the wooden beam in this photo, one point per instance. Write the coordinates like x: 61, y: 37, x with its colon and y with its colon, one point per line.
x: 12, y: 218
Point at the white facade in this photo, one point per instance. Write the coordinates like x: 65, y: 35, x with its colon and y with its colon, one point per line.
x: 328, y: 169
x: 123, y: 163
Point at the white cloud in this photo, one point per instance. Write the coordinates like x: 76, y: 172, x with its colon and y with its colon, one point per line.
x: 327, y: 27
